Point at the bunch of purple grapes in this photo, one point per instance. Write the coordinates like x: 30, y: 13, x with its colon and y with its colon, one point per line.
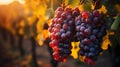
x: 90, y: 29
x: 62, y: 32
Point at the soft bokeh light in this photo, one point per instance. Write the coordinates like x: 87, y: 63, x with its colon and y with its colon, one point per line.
x: 5, y: 2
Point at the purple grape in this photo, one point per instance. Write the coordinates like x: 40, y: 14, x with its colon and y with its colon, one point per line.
x: 86, y: 41
x: 62, y: 31
x: 87, y: 31
x: 92, y: 49
x: 71, y: 23
x: 68, y: 33
x: 92, y: 37
x: 60, y: 50
x: 63, y: 36
x: 61, y: 28
x: 95, y: 13
x: 95, y: 31
x: 86, y: 48
x: 82, y: 28
x: 88, y: 20
x: 78, y: 28
x: 90, y: 54
x: 81, y: 53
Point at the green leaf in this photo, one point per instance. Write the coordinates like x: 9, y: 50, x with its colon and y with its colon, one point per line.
x: 113, y: 40
x: 87, y: 7
x: 66, y: 2
x: 109, y: 21
x: 70, y: 1
x: 116, y: 23
x: 74, y: 2
x: 49, y: 13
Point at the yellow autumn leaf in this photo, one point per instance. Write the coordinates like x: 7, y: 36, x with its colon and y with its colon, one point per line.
x: 45, y: 34
x: 39, y: 39
x: 117, y: 7
x: 81, y: 58
x: 74, y: 3
x: 75, y: 49
x: 106, y: 41
x: 66, y: 2
x: 103, y: 9
x: 85, y: 7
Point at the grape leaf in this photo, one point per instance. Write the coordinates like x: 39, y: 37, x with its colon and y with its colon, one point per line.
x: 116, y: 23
x: 70, y: 1
x: 66, y: 2
x: 115, y: 39
x: 73, y: 3
x: 49, y: 13
x: 109, y: 21
x: 110, y: 6
x: 87, y: 7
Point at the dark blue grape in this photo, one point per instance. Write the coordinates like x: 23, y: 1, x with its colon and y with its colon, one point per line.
x: 96, y: 20
x: 99, y: 35
x: 78, y: 28
x: 66, y: 46
x: 81, y: 46
x: 71, y: 23
x: 83, y: 24
x: 69, y: 17
x: 90, y: 29
x: 62, y: 31
x: 86, y: 48
x: 95, y: 31
x: 60, y: 44
x: 68, y: 33
x: 82, y: 28
x: 92, y: 37
x: 91, y: 54
x: 66, y: 51
x: 65, y: 21
x: 81, y: 53
x: 96, y: 53
x: 60, y: 50
x: 86, y: 54
x: 92, y: 49
x: 78, y: 23
x: 91, y: 45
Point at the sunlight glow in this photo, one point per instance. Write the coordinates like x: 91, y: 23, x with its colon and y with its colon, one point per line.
x: 5, y: 2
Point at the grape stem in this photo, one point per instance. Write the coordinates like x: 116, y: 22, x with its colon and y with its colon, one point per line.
x: 96, y: 3
x: 81, y: 2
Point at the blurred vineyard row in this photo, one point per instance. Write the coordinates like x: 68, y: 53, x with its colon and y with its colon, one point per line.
x: 19, y: 21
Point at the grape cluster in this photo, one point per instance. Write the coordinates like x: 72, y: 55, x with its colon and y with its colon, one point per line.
x: 90, y: 28
x: 62, y: 32
x: 72, y: 25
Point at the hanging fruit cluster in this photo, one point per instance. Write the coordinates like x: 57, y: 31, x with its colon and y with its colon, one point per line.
x: 62, y: 32
x: 70, y: 25
x: 90, y: 29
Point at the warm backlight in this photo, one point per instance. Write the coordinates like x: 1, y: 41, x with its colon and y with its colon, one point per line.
x: 10, y: 1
